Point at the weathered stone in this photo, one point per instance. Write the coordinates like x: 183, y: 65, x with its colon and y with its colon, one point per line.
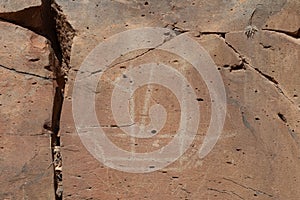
x: 32, y: 51
x: 25, y: 102
x: 15, y: 5
x: 273, y: 54
x: 221, y: 53
x: 257, y: 154
x: 288, y: 19
x: 97, y: 19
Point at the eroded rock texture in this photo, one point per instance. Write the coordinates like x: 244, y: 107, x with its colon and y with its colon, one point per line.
x: 257, y: 154
x: 25, y: 102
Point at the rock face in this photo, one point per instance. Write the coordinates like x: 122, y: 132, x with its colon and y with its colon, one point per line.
x: 25, y: 102
x: 257, y: 153
x: 13, y: 5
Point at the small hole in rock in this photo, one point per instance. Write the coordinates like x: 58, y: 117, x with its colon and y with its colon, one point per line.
x: 34, y: 59
x: 282, y: 117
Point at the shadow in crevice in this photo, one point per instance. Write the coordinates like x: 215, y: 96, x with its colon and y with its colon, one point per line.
x: 43, y: 21
x: 38, y: 19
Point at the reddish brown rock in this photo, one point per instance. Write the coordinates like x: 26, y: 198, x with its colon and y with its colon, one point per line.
x: 287, y: 19
x: 15, y: 5
x: 274, y: 55
x: 257, y: 154
x: 25, y: 102
x: 222, y: 54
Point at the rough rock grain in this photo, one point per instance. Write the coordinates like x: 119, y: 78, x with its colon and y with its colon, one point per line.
x: 15, y: 5
x: 256, y: 156
x: 25, y: 103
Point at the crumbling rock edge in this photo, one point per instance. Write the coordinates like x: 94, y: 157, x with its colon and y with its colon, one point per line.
x: 49, y: 21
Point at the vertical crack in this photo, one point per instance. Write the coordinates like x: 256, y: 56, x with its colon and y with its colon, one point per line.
x: 61, y: 38
x: 49, y: 21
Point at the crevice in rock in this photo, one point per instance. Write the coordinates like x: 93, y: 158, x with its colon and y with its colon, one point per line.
x: 25, y: 73
x: 117, y: 126
x: 36, y: 19
x: 257, y: 192
x: 242, y: 63
x: 266, y: 76
x: 176, y: 29
x: 294, y: 34
x: 62, y: 33
x: 29, y: 18
x: 140, y: 54
x: 273, y: 81
x: 221, y: 34
x: 237, y: 67
x: 236, y: 51
x: 270, y: 78
x: 231, y: 193
x: 49, y: 21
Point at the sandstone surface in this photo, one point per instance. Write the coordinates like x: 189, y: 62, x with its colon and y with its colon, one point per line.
x: 255, y: 158
x: 25, y: 102
x: 257, y: 153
